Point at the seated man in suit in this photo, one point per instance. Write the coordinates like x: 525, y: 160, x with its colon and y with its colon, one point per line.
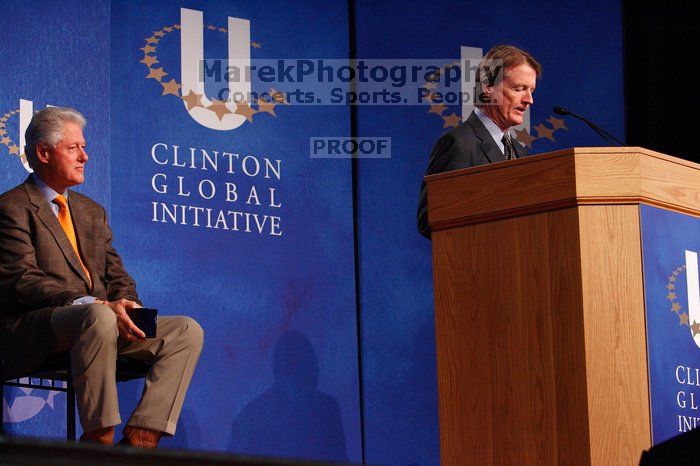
x: 63, y: 288
x: 485, y: 136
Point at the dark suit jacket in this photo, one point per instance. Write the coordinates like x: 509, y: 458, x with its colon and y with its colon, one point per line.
x: 467, y: 145
x: 39, y: 270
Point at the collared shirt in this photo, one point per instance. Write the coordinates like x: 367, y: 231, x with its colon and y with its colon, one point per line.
x: 493, y: 129
x: 49, y: 194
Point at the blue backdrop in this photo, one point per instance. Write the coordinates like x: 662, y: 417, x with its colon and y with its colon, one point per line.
x: 580, y: 47
x: 279, y: 373
x: 277, y: 306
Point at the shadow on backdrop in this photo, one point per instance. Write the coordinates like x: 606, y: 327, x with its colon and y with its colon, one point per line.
x: 291, y: 418
x: 188, y: 435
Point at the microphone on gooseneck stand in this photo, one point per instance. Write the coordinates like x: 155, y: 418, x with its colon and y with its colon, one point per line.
x: 612, y: 140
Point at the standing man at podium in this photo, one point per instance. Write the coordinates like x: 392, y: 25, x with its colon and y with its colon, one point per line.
x: 507, y: 76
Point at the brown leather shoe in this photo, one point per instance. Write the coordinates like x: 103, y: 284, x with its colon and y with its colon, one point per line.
x: 105, y: 436
x: 140, y: 438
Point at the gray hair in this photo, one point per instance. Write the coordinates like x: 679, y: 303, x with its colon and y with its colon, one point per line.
x: 46, y: 128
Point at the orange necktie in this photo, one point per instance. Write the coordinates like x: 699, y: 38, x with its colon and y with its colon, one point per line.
x: 66, y: 222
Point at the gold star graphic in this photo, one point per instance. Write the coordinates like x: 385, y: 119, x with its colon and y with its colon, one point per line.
x: 176, y: 26
x: 676, y: 272
x: 242, y: 108
x: 671, y: 279
x: 430, y: 96
x: 278, y: 96
x: 156, y: 73
x: 149, y: 60
x: 148, y: 49
x: 2, y: 131
x: 168, y: 29
x: 451, y: 120
x: 219, y: 107
x: 683, y: 319
x: 671, y: 296
x: 255, y: 45
x: 211, y: 27
x: 158, y: 33
x: 557, y: 123
x: 5, y: 140
x: 192, y: 99
x: 222, y: 30
x: 437, y: 109
x: 524, y: 137
x: 671, y: 286
x: 266, y: 107
x: 544, y: 132
x: 14, y: 149
x: 695, y: 328
x: 152, y: 40
x: 171, y: 87
x: 675, y: 307
x: 434, y: 77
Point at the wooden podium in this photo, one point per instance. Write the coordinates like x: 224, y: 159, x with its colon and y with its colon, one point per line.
x: 539, y: 304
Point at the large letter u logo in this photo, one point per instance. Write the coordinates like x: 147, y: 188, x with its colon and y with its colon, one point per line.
x: 192, y: 52
x: 691, y: 274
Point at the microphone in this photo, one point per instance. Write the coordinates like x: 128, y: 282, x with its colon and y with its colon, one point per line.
x: 612, y: 140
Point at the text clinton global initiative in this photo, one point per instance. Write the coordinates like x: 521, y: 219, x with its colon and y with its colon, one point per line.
x: 210, y: 181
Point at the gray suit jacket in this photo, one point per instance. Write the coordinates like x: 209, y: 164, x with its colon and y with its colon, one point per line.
x: 467, y: 145
x: 39, y: 270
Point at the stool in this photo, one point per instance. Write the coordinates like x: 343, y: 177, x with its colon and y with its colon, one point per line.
x: 57, y: 369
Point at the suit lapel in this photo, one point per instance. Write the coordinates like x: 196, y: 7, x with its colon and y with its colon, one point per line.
x: 487, y: 146
x: 48, y: 218
x: 82, y: 224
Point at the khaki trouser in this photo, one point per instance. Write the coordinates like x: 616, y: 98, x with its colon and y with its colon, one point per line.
x: 90, y: 333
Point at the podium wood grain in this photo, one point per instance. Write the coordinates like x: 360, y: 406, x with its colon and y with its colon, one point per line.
x: 540, y: 323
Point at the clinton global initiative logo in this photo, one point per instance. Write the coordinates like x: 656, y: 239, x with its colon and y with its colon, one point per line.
x: 16, y: 122
x: 440, y: 102
x: 230, y: 110
x: 683, y: 283
x: 5, y: 138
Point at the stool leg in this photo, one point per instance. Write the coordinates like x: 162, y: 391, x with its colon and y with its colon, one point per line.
x: 70, y: 407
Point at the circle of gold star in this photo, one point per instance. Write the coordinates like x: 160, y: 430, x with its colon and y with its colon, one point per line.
x: 452, y: 119
x: 192, y: 99
x: 676, y: 307
x: 5, y: 138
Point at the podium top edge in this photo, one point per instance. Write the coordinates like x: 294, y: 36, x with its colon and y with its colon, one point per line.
x: 573, y: 151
